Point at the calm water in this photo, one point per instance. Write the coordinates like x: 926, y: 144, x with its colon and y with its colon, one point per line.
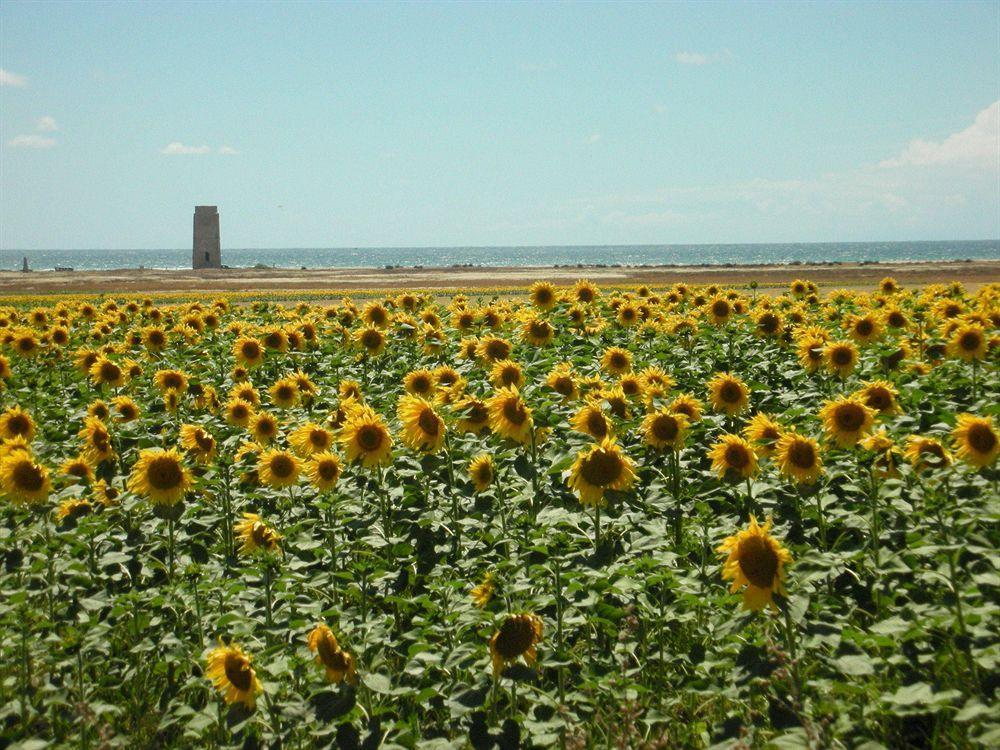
x: 513, y: 256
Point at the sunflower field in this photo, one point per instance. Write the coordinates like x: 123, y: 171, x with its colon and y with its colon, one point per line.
x: 565, y: 517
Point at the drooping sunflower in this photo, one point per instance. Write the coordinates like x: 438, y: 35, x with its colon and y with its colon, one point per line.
x: 543, y: 295
x: 798, y: 458
x: 880, y: 395
x: 728, y: 394
x: 323, y: 470
x: 665, y: 429
x: 420, y: 383
x: 846, y: 420
x: 337, y: 663
x: 256, y: 535
x: 811, y: 350
x: 278, y: 468
x: 16, y: 422
x: 160, y: 476
x: 96, y: 438
x: 887, y: 456
x: 510, y: 417
x: 926, y: 453
x: 517, y: 637
x: 482, y: 593
x: 310, y: 438
x: 840, y: 358
x: 198, y: 443
x: 72, y: 509
x: 248, y: 351
x: 968, y: 342
x: 733, y: 458
x: 423, y: 428
x: 601, y: 467
x: 764, y: 433
x: 481, y: 472
x: 23, y: 480
x: 976, y: 440
x: 591, y: 420
x: 616, y: 361
x: 755, y: 563
x: 99, y: 409
x: 365, y: 438
x: 228, y: 667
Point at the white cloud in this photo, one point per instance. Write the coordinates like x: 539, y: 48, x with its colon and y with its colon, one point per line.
x: 31, y: 141
x: 7, y: 78
x: 593, y: 138
x: 47, y: 124
x: 702, y: 58
x: 227, y: 150
x: 177, y: 148
x: 977, y: 145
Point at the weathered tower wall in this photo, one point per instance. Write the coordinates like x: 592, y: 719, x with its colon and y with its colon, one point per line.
x: 207, y: 249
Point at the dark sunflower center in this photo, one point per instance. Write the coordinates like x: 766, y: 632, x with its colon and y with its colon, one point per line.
x: 274, y: 340
x: 484, y: 473
x: 510, y: 375
x: 970, y: 341
x: 238, y: 672
x: 802, y: 455
x: 878, y: 398
x: 842, y: 356
x: 737, y: 456
x: 514, y: 412
x: 429, y: 422
x: 864, y: 327
x: 730, y: 392
x: 628, y: 314
x: 282, y: 466
x: 619, y: 361
x: 543, y: 296
x: 477, y: 413
x: 172, y: 380
x: 849, y: 417
x: 601, y: 468
x: 720, y: 309
x: 377, y: 316
x: 597, y: 425
x: 285, y: 393
x: 26, y: 345
x: 369, y: 437
x: 239, y: 411
x: 421, y: 384
x: 516, y: 636
x: 539, y: 329
x: 758, y: 561
x: 896, y: 320
x: 28, y: 477
x: 371, y: 339
x: 563, y: 385
x: 318, y: 438
x: 585, y: 294
x: 769, y: 323
x: 204, y: 441
x: 497, y: 349
x: 251, y: 349
x: 665, y: 427
x: 18, y: 424
x: 981, y: 438
x: 266, y: 427
x: 328, y: 470
x: 164, y: 473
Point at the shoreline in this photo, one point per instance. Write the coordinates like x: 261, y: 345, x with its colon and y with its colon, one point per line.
x: 864, y: 274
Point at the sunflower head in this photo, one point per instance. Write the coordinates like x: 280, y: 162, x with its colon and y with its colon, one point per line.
x: 880, y: 396
x: 365, y: 438
x: 665, y: 429
x: 926, y: 454
x: 23, y: 480
x: 15, y: 422
x: 591, y: 420
x: 337, y: 663
x: 543, y: 295
x: 278, y: 468
x: 482, y: 472
x: 509, y: 416
x: 323, y: 470
x: 976, y: 441
x: 798, y: 458
x: 968, y: 342
x: 423, y: 427
x: 840, y: 358
x: 600, y: 468
x: 256, y: 535
x: 517, y: 637
x: 728, y: 394
x: 755, y: 563
x: 616, y: 361
x: 229, y: 669
x: 846, y: 420
x: 733, y: 458
x: 482, y: 593
x: 764, y: 433
x: 160, y: 476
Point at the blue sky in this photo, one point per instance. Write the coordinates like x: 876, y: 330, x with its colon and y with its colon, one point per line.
x: 380, y: 124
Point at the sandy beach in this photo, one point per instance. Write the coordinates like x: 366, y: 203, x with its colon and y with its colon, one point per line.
x: 972, y: 273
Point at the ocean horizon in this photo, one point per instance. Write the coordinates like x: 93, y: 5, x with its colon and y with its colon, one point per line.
x: 504, y: 256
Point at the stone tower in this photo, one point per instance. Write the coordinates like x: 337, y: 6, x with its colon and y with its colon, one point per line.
x: 207, y: 251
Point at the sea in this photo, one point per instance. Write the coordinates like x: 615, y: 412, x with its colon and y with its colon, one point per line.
x: 549, y: 255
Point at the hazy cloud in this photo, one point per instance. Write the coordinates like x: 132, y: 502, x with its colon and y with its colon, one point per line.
x: 593, y: 138
x: 977, y: 145
x: 178, y: 149
x: 702, y: 58
x: 227, y: 150
x: 47, y: 124
x: 31, y: 141
x: 7, y: 78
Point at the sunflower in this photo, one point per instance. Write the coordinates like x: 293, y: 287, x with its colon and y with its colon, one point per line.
x: 811, y: 349
x: 665, y: 429
x: 482, y: 472
x: 968, y: 342
x: 538, y: 332
x: 310, y: 438
x: 755, y: 560
x: 840, y: 358
x: 171, y: 380
x: 509, y: 415
x: 248, y: 351
x: 245, y: 392
x: 482, y: 593
x: 517, y: 637
x: 337, y: 663
x: 24, y: 481
x: 846, y: 420
x: 96, y: 441
x: 26, y: 344
x: 198, y: 443
x: 423, y: 428
x: 585, y: 292
x: 239, y: 412
x: 372, y: 341
x: 627, y: 315
x: 257, y: 536
x: 599, y: 468
x: 896, y: 318
x: 230, y: 672
x: 879, y: 395
x: 263, y: 427
x: 474, y: 415
x: 926, y: 453
x: 506, y: 372
x: 864, y: 328
x: 562, y: 381
x: 976, y: 440
x: 591, y: 420
x: 616, y: 361
x: 687, y: 405
x: 284, y: 393
x: 99, y: 409
x: 278, y: 468
x: 106, y: 372
x: 492, y: 348
x: 887, y: 456
x: 543, y: 295
x: 72, y: 509
x: 764, y: 433
x: 160, y: 476
x: 78, y: 468
x: 15, y: 422
x: 720, y: 311
x: 767, y: 323
x: 365, y: 438
x: 728, y: 394
x: 323, y: 470
x: 798, y: 457
x: 419, y: 383
x: 733, y: 458
x: 126, y: 408
x: 376, y: 315
x: 350, y: 389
